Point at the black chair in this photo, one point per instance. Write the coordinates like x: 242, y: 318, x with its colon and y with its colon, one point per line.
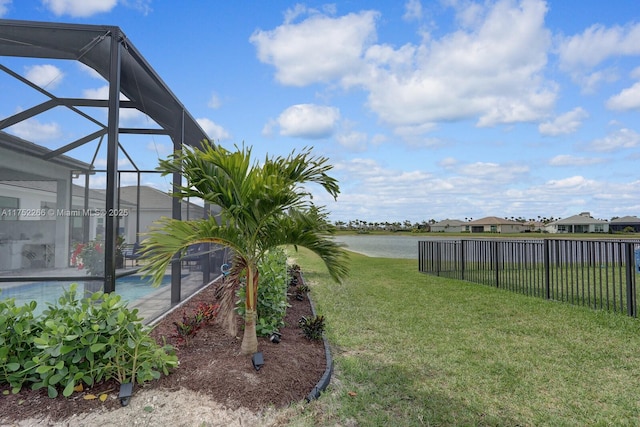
x: 131, y: 252
x: 194, y: 256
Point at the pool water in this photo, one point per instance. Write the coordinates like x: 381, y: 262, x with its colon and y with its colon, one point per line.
x: 131, y: 288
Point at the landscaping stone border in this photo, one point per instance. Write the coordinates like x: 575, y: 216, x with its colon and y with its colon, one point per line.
x: 324, y: 381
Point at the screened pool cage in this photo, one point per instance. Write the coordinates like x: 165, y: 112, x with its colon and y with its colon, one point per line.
x: 83, y: 121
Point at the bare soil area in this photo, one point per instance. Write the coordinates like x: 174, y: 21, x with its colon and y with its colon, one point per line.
x: 213, y: 385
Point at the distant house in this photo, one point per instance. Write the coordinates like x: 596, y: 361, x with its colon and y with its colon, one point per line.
x: 581, y: 223
x: 448, y: 226
x: 533, y: 226
x: 154, y: 204
x: 493, y: 224
x: 625, y: 224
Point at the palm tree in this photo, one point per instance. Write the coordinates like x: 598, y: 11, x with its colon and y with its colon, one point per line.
x: 261, y: 207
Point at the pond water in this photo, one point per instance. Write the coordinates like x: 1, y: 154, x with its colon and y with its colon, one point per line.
x: 387, y: 246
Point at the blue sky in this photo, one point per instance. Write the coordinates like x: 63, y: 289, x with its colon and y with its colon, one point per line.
x: 427, y: 109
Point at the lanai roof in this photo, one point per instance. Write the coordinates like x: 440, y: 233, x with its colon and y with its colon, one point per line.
x: 90, y: 45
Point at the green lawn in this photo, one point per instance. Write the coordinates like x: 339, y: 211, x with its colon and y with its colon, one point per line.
x: 417, y: 350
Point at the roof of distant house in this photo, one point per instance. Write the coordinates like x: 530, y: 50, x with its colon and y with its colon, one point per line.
x: 582, y: 218
x: 627, y: 220
x: 494, y: 220
x: 19, y: 145
x: 50, y: 187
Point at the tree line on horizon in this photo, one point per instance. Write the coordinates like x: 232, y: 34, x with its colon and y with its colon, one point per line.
x: 407, y: 225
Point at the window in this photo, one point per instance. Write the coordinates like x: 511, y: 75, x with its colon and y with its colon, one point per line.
x: 8, y: 206
x: 598, y: 228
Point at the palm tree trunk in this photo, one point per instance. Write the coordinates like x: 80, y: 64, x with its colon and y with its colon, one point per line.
x: 250, y: 338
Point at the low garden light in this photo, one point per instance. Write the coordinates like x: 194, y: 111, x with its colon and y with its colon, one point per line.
x: 275, y: 337
x: 258, y: 360
x: 126, y: 391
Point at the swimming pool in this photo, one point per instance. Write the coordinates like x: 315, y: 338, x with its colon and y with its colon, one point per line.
x: 131, y: 288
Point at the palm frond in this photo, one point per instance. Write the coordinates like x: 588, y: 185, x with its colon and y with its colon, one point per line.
x: 169, y: 239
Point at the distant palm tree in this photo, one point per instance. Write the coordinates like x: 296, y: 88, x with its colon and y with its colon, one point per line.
x: 261, y: 207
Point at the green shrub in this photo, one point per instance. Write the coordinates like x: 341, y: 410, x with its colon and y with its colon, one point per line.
x: 17, y: 330
x: 86, y: 341
x: 272, y: 293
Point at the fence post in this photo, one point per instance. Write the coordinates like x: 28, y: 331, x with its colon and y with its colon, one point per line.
x: 462, y: 254
x: 547, y: 270
x: 631, y: 286
x: 436, y: 253
x: 497, y: 262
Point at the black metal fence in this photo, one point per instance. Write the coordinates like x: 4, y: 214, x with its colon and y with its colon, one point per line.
x: 600, y: 274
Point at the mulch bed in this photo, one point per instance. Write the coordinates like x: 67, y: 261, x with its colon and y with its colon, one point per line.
x: 210, y: 364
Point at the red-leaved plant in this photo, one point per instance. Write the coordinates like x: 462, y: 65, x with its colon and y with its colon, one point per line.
x: 190, y: 325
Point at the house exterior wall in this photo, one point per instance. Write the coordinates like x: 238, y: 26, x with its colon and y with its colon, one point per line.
x: 510, y: 228
x: 495, y: 228
x: 52, y: 228
x: 447, y: 228
x: 150, y: 215
x: 572, y: 228
x: 19, y: 166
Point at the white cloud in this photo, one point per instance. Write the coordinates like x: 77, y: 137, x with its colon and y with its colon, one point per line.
x: 413, y: 10
x: 372, y: 191
x: 590, y: 81
x: 570, y: 184
x: 415, y: 135
x: 79, y: 8
x: 268, y: 128
x: 319, y: 49
x: 100, y: 93
x: 564, y: 124
x: 569, y: 160
x: 379, y: 139
x: 376, y: 192
x: 46, y: 76
x: 159, y: 149
x: 123, y: 162
x: 491, y: 70
x: 580, y: 54
x: 308, y: 121
x: 493, y: 171
x: 35, y: 131
x: 143, y: 6
x: 627, y: 99
x: 619, y: 139
x: 468, y: 14
x: 448, y: 162
x: 353, y: 140
x: 4, y: 7
x: 214, y: 101
x: 89, y: 71
x: 213, y: 130
x: 598, y: 43
x: 128, y: 116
